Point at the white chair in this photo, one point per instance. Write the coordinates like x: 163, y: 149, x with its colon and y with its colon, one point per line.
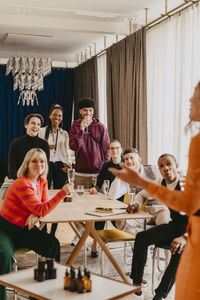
x: 114, y: 235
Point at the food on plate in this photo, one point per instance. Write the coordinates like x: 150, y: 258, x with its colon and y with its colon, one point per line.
x: 104, y: 209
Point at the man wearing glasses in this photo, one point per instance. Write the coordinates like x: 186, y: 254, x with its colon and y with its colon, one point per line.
x: 115, y: 153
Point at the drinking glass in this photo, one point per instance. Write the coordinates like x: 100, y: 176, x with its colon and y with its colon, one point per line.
x: 87, y: 118
x: 132, y: 193
x: 71, y: 175
x: 106, y: 185
x: 94, y: 180
x: 80, y: 190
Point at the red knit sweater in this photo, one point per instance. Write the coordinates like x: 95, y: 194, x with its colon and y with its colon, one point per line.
x: 22, y: 199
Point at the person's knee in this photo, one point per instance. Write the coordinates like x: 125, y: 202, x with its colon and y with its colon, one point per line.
x: 6, y: 261
x: 54, y: 249
x: 140, y: 239
x: 6, y: 253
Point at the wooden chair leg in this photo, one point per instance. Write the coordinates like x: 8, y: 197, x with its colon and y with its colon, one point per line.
x: 153, y: 269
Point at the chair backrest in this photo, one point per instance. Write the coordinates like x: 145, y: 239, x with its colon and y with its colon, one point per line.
x: 7, y: 183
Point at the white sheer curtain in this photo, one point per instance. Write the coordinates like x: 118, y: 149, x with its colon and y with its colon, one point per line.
x: 102, y: 105
x: 173, y: 69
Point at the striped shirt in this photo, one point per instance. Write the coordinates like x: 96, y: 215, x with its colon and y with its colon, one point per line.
x: 22, y: 199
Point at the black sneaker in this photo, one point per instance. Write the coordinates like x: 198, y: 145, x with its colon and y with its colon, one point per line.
x: 139, y: 293
x: 144, y: 282
x: 157, y: 297
x: 75, y: 241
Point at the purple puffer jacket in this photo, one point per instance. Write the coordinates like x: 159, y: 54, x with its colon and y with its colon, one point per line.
x: 90, y: 148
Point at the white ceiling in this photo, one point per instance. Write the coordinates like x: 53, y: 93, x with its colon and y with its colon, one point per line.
x: 62, y: 29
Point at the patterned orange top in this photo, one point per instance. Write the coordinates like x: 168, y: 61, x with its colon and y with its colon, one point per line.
x: 189, y: 199
x: 22, y: 199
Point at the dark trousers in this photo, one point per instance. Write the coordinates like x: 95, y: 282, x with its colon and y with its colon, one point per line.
x: 163, y: 235
x: 56, y: 175
x: 59, y: 178
x: 6, y: 259
x: 100, y: 225
x: 17, y: 237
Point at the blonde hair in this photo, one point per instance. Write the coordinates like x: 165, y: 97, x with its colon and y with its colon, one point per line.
x: 23, y: 170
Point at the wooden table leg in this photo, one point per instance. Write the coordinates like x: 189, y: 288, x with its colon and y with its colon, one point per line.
x: 96, y: 236
x: 80, y: 244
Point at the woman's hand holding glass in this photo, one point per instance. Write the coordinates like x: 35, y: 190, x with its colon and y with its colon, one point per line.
x: 68, y: 188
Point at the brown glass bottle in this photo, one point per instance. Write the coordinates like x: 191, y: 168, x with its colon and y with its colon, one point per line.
x: 80, y: 282
x: 72, y: 280
x: 67, y: 280
x: 88, y: 283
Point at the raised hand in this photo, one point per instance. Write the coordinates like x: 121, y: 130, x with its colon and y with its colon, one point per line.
x: 127, y: 174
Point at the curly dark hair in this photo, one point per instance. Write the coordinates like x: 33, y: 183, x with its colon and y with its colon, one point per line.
x: 86, y: 102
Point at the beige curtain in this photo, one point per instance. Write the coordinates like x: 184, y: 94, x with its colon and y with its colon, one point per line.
x: 127, y: 92
x: 85, y: 84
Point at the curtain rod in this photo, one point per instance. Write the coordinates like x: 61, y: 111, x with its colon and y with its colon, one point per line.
x: 171, y: 13
x: 157, y: 21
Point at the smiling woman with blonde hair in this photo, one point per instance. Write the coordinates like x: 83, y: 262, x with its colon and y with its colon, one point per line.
x: 26, y: 200
x: 23, y: 170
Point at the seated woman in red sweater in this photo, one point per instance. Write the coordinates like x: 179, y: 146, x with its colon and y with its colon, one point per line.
x: 26, y: 200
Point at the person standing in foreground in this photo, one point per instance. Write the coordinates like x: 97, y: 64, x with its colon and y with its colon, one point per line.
x: 89, y: 139
x: 26, y: 200
x: 58, y: 141
x: 188, y: 200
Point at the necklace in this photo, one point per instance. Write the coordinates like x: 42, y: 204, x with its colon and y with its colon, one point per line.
x: 55, y: 140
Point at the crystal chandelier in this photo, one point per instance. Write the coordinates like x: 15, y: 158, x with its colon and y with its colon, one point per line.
x: 28, y: 73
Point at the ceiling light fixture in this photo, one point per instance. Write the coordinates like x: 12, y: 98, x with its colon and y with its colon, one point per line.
x: 28, y: 73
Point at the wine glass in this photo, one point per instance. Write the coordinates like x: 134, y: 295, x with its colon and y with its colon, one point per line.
x: 80, y: 190
x: 106, y: 185
x: 88, y: 119
x: 94, y: 180
x: 71, y: 175
x: 132, y: 193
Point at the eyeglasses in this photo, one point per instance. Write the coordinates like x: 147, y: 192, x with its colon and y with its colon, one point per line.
x: 113, y: 148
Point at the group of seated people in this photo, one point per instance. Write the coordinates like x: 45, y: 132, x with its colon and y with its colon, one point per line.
x: 170, y: 229
x: 27, y: 198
